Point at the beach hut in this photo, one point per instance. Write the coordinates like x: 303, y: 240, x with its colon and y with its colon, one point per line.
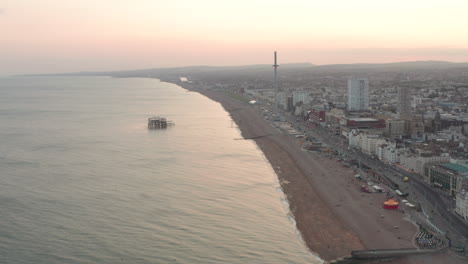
x: 390, y: 204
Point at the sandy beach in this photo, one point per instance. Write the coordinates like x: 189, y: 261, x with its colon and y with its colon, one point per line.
x: 332, y: 214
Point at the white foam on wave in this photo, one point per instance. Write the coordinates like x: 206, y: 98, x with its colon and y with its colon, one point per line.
x: 283, y: 199
x: 285, y: 204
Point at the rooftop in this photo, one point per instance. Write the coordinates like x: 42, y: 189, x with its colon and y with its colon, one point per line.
x: 456, y: 167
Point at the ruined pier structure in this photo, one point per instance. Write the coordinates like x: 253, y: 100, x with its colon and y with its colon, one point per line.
x: 158, y: 123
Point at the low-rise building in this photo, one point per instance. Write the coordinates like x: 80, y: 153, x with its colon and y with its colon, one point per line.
x: 317, y: 116
x: 415, y: 127
x: 364, y: 122
x: 416, y: 163
x: 388, y: 152
x: 334, y: 116
x: 452, y: 178
x: 395, y: 128
x: 368, y: 143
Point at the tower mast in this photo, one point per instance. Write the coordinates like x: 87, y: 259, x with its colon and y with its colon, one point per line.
x: 276, y: 82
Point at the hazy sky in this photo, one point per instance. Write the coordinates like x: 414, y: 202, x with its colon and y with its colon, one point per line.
x: 39, y: 36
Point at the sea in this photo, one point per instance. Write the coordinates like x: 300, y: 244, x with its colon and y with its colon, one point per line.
x: 82, y: 179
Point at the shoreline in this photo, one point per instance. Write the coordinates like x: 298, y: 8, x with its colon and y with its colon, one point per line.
x: 322, y: 232
x: 333, y: 217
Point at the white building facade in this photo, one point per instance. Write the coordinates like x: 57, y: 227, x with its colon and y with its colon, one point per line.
x: 461, y: 206
x: 368, y: 143
x: 416, y: 163
x: 388, y: 152
x: 358, y: 94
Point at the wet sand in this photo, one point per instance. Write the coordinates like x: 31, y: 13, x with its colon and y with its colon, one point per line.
x: 332, y: 214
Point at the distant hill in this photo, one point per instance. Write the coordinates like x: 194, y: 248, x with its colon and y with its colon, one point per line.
x: 398, y: 65
x: 262, y: 68
x: 191, y: 69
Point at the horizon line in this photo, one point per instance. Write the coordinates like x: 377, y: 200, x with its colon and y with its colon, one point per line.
x: 237, y: 65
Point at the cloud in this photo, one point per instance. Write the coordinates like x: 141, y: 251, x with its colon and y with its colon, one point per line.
x: 2, y: 11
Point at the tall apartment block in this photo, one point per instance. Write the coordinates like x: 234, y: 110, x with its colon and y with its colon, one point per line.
x: 358, y: 94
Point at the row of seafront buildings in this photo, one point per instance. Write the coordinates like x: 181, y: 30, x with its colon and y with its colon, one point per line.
x: 441, y: 162
x: 420, y: 146
x: 430, y: 160
x: 427, y: 144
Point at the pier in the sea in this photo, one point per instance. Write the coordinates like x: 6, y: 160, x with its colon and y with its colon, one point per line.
x: 159, y: 123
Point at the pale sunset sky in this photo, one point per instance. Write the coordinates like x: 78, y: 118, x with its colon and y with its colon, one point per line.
x: 45, y: 36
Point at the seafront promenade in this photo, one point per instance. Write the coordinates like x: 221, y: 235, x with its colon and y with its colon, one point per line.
x: 332, y: 214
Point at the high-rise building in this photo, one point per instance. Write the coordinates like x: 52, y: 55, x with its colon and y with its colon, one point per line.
x: 358, y: 94
x: 404, y: 103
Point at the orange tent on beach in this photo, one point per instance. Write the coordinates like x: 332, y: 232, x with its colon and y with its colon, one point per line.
x: 391, y: 204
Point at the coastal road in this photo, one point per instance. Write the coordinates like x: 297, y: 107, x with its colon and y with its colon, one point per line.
x: 441, y: 202
x: 438, y: 205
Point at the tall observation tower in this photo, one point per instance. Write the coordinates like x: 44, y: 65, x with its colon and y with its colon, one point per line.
x: 276, y: 81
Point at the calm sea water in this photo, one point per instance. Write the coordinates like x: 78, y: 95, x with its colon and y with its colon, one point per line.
x: 82, y: 180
